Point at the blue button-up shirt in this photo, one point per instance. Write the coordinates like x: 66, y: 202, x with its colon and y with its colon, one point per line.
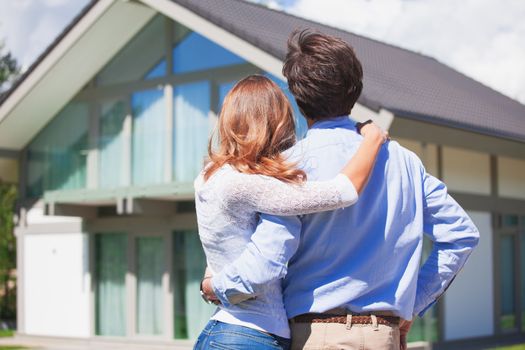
x: 365, y: 257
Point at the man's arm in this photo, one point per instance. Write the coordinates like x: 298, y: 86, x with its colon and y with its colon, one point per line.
x: 264, y: 259
x: 454, y: 236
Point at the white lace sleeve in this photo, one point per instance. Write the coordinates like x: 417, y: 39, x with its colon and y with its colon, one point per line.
x: 268, y: 195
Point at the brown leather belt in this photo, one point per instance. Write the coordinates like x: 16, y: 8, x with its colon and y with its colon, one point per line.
x: 356, y: 319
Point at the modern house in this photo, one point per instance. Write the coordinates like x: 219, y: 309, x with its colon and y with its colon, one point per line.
x: 106, y: 131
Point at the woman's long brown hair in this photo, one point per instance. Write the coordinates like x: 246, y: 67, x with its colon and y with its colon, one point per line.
x: 255, y: 125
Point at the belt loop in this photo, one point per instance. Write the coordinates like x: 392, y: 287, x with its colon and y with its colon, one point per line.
x: 374, y: 322
x: 348, y: 320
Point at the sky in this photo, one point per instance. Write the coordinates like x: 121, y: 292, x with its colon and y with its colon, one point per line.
x: 483, y: 39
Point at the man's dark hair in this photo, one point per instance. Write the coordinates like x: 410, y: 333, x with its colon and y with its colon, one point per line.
x: 323, y: 73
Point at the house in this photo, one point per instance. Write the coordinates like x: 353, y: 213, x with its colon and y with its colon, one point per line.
x: 107, y: 129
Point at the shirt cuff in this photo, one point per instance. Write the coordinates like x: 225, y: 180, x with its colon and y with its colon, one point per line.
x: 348, y: 192
x: 220, y: 291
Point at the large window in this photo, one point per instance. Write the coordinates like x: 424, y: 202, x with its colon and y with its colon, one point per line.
x: 149, y: 131
x: 111, y: 144
x: 141, y: 58
x: 511, y: 273
x: 146, y: 117
x: 56, y: 158
x: 195, y: 53
x: 192, y: 127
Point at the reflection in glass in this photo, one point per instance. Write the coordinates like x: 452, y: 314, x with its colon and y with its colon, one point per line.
x: 149, y: 125
x: 509, y: 220
x: 135, y: 60
x: 110, y: 289
x: 192, y: 127
x: 111, y: 144
x: 195, y: 52
x: 56, y: 157
x: 158, y: 71
x: 189, y: 262
x: 507, y: 271
x: 150, y: 267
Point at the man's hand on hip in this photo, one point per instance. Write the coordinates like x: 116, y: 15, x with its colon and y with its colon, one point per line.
x: 404, y: 328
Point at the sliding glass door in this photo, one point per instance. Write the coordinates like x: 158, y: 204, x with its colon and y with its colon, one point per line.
x: 110, y: 285
x: 134, y: 296
x: 510, y: 274
x: 150, y: 266
x: 189, y: 262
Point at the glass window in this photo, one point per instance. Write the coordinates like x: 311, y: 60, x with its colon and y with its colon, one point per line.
x: 150, y: 267
x: 149, y: 125
x: 111, y: 144
x: 507, y: 272
x: 194, y: 52
x: 189, y: 262
x: 140, y: 57
x: 57, y: 155
x: 158, y: 71
x: 192, y: 127
x: 509, y: 220
x: 110, y: 288
x: 224, y: 88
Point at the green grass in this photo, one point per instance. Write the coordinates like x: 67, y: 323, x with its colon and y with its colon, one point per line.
x: 6, y: 333
x: 513, y: 347
x: 12, y: 347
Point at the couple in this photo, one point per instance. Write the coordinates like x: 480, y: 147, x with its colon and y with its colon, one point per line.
x: 295, y: 259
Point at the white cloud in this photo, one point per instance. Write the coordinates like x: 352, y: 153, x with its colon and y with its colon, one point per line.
x: 27, y: 27
x: 483, y: 39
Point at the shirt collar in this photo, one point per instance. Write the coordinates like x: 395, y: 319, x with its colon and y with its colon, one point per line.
x: 343, y: 121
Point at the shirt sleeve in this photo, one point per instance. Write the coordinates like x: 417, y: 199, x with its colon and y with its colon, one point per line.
x: 265, y: 194
x: 264, y: 259
x: 454, y: 236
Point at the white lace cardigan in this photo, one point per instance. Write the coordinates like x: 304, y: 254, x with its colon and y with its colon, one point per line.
x: 227, y: 207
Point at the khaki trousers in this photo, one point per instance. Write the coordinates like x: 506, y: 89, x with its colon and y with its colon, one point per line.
x: 337, y: 336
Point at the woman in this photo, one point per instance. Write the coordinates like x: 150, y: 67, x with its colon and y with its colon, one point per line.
x: 247, y: 175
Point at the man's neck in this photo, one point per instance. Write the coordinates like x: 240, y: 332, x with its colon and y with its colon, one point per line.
x: 309, y: 122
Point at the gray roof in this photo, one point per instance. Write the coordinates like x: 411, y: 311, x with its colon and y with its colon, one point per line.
x: 406, y: 83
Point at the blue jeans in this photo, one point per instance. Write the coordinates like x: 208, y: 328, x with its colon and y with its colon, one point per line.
x: 224, y: 336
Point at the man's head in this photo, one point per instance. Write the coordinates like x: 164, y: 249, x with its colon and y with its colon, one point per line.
x: 323, y: 73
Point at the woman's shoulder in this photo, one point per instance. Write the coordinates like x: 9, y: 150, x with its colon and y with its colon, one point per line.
x: 221, y: 174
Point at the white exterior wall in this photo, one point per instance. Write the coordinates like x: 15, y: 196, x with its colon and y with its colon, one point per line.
x: 511, y: 177
x: 56, y: 281
x: 466, y: 171
x: 426, y: 152
x: 469, y: 302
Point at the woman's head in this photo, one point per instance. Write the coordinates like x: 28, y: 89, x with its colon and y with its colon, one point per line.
x: 255, y: 125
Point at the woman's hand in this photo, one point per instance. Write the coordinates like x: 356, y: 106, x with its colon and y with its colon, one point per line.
x: 373, y: 132
x: 358, y: 169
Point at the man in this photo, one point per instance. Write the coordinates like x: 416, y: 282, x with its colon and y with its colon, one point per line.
x: 354, y: 276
